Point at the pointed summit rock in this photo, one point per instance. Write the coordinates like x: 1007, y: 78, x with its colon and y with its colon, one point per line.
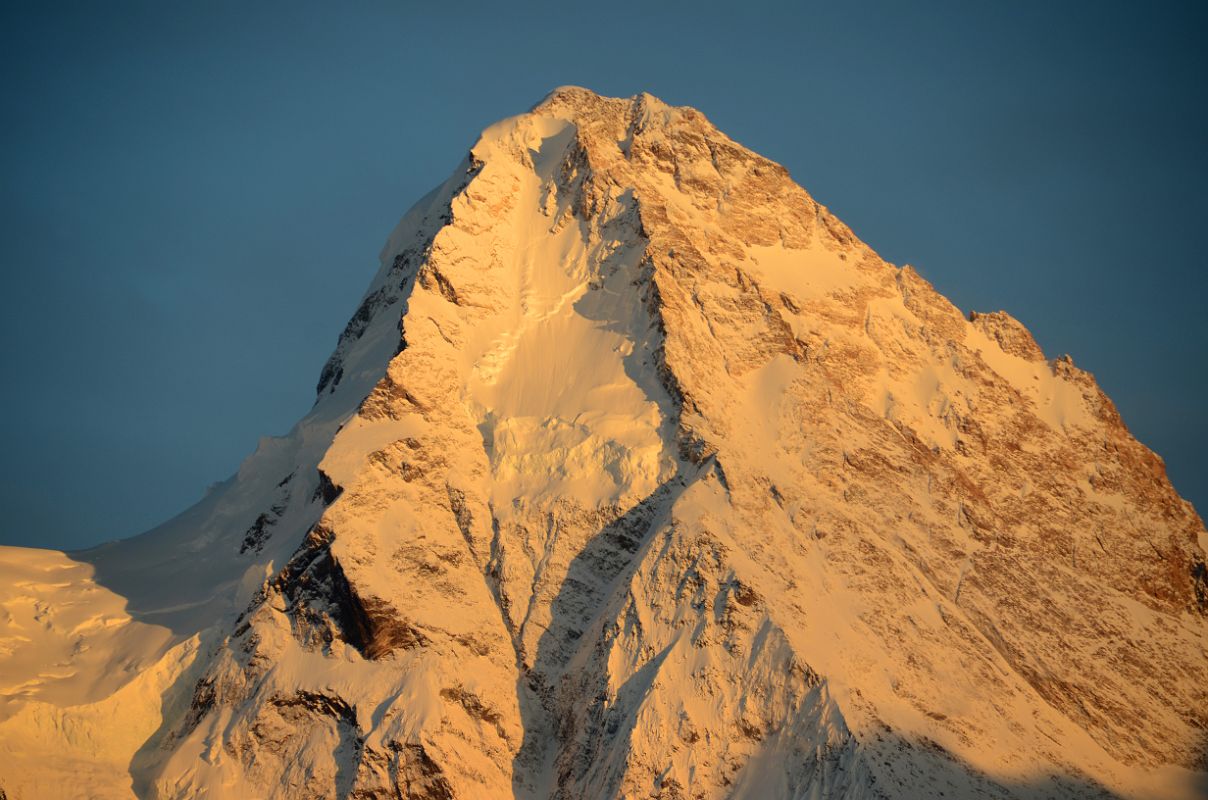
x: 637, y: 475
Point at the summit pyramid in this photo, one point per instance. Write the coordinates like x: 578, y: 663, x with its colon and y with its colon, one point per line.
x: 637, y: 475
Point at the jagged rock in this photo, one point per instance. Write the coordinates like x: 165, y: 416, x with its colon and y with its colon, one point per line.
x: 1009, y: 333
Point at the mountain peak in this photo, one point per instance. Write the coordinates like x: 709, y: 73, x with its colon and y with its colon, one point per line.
x: 600, y: 113
x: 568, y: 94
x: 571, y: 96
x: 636, y: 473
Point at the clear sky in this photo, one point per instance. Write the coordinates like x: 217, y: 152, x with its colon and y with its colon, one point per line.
x: 193, y: 195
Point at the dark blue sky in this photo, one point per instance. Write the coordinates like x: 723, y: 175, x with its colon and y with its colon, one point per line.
x: 194, y: 194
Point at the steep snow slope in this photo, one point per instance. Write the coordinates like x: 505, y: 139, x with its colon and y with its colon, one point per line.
x: 636, y: 474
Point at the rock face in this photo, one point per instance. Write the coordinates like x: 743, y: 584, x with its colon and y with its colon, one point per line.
x: 636, y: 474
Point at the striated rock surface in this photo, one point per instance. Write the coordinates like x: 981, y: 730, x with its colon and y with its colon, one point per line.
x: 636, y: 474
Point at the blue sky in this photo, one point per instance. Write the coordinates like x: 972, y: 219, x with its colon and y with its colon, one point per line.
x: 194, y: 195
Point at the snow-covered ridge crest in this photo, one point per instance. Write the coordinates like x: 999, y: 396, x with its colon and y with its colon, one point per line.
x: 637, y: 474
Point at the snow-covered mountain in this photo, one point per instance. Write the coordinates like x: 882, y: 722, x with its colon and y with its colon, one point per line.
x: 636, y: 474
